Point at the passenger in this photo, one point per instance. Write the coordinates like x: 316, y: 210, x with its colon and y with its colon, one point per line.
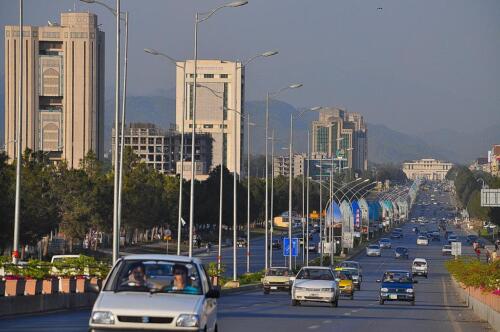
x: 180, y: 281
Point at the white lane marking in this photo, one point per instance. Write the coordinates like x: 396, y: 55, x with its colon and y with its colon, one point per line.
x: 355, y: 310
x: 347, y: 314
x: 313, y: 327
x: 328, y: 321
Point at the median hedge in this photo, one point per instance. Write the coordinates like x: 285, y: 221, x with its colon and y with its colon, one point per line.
x: 473, y: 273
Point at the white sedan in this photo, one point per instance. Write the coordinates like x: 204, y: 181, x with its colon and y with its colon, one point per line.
x: 422, y: 241
x: 152, y: 292
x: 373, y: 250
x: 315, y: 284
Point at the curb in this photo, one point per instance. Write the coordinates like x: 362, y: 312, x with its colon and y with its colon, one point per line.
x: 241, y: 289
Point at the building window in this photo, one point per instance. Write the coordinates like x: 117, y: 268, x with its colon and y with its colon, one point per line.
x: 208, y: 126
x: 158, y: 141
x: 322, y: 139
x: 151, y: 140
x: 208, y: 76
x: 143, y: 140
x: 135, y: 140
x: 223, y: 76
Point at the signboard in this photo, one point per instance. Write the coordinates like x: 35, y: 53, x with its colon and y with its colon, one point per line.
x: 295, y: 246
x: 456, y: 248
x: 490, y: 197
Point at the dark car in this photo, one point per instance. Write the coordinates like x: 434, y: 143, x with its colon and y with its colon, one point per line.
x: 276, y: 244
x: 396, y: 235
x: 471, y: 238
x: 397, y: 285
x: 436, y: 236
x: 401, y: 252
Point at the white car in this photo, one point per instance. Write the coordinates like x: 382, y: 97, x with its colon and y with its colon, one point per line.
x: 422, y: 241
x: 152, y: 292
x: 420, y: 267
x: 373, y: 250
x: 446, y: 250
x: 315, y: 284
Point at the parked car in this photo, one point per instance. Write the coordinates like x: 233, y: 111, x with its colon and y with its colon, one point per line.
x: 385, y: 243
x: 401, y: 252
x: 422, y: 240
x: 419, y: 267
x: 397, y: 285
x: 277, y: 279
x: 156, y: 292
x: 452, y: 238
x: 446, y: 250
x: 345, y: 282
x: 373, y: 250
x: 315, y: 284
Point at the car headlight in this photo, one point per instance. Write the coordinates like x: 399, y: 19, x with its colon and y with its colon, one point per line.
x: 384, y: 290
x: 187, y: 320
x: 409, y: 290
x: 103, y: 317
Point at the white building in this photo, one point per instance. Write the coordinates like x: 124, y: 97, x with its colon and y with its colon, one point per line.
x: 430, y: 169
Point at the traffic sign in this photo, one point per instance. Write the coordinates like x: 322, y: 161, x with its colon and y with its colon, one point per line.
x: 456, y: 248
x: 286, y: 246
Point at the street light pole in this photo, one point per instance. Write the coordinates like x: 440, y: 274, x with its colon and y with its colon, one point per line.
x: 248, y: 192
x: 15, y: 245
x: 272, y: 202
x: 307, y: 194
x: 321, y: 209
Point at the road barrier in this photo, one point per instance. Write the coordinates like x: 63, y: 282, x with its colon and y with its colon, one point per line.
x: 485, y: 305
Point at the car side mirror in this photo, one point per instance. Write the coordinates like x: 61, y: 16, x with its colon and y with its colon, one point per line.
x: 93, y: 288
x: 378, y: 280
x: 415, y: 281
x: 213, y: 293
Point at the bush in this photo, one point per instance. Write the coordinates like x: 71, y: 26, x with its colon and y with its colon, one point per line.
x: 473, y: 273
x: 36, y: 270
x: 251, y: 278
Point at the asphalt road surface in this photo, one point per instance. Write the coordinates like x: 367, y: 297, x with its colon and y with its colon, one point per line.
x: 437, y: 305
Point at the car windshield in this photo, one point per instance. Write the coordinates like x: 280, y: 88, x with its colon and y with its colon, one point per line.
x: 447, y: 247
x: 315, y: 274
x: 396, y: 276
x: 349, y: 264
x: 385, y: 240
x: 419, y: 264
x: 373, y: 247
x: 343, y: 275
x: 351, y: 271
x: 278, y: 272
x: 401, y: 249
x: 422, y: 238
x: 156, y: 276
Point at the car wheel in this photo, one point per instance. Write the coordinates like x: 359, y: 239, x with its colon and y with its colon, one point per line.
x: 335, y: 303
x: 295, y: 303
x: 381, y: 302
x: 426, y: 276
x: 216, y: 329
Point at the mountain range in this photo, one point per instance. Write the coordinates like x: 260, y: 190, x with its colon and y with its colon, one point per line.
x: 384, y: 144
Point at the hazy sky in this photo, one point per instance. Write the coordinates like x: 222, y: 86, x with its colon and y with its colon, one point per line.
x: 416, y: 66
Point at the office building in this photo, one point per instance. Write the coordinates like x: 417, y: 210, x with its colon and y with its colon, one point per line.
x: 63, y: 88
x: 161, y: 149
x: 341, y: 135
x: 281, y: 165
x: 219, y: 105
x: 430, y: 169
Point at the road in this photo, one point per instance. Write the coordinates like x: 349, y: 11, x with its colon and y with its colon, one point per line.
x: 437, y: 306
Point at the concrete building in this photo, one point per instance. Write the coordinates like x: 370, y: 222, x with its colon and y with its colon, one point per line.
x: 219, y: 105
x: 430, y: 169
x: 342, y: 135
x: 161, y: 149
x: 63, y: 99
x: 480, y: 164
x: 494, y: 159
x: 281, y: 165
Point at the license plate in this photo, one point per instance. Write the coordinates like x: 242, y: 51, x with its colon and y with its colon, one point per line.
x: 274, y: 287
x: 393, y: 296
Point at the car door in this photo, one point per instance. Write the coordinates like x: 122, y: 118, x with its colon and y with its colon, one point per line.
x: 209, y: 305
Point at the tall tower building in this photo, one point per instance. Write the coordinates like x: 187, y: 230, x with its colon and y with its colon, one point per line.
x: 219, y: 100
x: 63, y: 88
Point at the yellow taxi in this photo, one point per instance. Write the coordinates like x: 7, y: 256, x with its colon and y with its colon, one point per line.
x: 344, y: 279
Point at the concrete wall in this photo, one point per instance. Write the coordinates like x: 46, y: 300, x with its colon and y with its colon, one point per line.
x: 484, y: 311
x: 15, y: 305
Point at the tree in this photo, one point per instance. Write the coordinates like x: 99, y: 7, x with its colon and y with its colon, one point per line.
x: 7, y: 180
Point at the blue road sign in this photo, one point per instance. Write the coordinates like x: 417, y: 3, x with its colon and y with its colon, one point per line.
x: 286, y: 247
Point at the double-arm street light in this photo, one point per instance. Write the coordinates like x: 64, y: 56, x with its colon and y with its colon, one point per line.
x: 199, y: 18
x: 184, y: 112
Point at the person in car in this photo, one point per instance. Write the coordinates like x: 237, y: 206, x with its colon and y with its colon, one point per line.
x: 137, y: 275
x: 180, y: 281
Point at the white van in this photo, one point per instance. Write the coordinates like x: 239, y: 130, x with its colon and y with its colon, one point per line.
x: 420, y: 267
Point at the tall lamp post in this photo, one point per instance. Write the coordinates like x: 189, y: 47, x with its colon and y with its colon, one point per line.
x: 199, y: 18
x: 266, y: 213
x: 184, y: 112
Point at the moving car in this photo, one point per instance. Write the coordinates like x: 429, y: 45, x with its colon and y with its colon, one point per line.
x: 241, y: 242
x: 352, y: 264
x: 436, y: 236
x: 385, y: 243
x: 419, y: 267
x: 452, y: 238
x: 446, y: 250
x: 396, y: 235
x: 471, y: 238
x: 344, y: 279
x: 397, y: 285
x: 356, y: 277
x: 277, y: 279
x: 154, y: 292
x: 422, y: 241
x: 401, y: 252
x: 315, y: 284
x: 373, y: 250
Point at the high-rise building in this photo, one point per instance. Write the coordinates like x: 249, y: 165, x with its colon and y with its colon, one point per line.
x: 161, y: 149
x: 219, y: 106
x: 281, y: 165
x: 342, y: 135
x: 63, y: 88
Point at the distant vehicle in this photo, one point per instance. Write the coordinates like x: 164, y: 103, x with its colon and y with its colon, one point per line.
x: 419, y: 267
x: 452, y: 238
x: 277, y: 279
x: 422, y: 241
x: 312, y: 247
x: 352, y: 264
x: 446, y: 250
x: 373, y: 250
x: 315, y: 284
x: 397, y: 285
x: 385, y: 243
x: 396, y: 235
x: 276, y: 244
x: 241, y: 242
x: 471, y: 238
x: 436, y: 236
x: 401, y: 252
x: 150, y: 292
x: 356, y: 277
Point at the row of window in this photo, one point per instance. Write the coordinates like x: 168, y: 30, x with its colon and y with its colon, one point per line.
x: 208, y: 76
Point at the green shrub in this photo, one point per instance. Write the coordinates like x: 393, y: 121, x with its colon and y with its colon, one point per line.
x: 473, y: 273
x: 251, y: 278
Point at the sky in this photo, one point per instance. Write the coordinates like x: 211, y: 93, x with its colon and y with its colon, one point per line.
x: 416, y: 66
